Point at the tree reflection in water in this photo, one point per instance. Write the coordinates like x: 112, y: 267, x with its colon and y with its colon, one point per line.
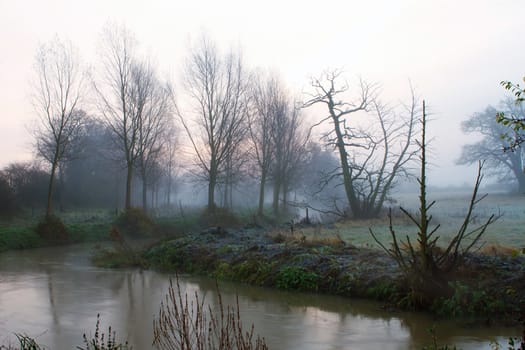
x: 55, y: 295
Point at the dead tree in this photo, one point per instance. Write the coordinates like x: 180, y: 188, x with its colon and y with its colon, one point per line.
x: 372, y: 151
x: 425, y: 264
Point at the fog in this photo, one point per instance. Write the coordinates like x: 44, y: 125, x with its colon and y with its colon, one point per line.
x: 454, y: 53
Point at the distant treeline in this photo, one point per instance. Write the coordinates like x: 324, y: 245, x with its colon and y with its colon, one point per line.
x: 92, y: 178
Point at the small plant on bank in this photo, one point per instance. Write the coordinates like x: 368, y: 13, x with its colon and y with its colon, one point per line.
x: 25, y: 342
x: 102, y: 342
x: 425, y: 265
x: 189, y: 325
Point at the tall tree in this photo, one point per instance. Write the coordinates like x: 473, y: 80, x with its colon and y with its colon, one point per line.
x: 372, y: 155
x: 57, y: 95
x: 152, y: 102
x: 502, y: 165
x: 114, y: 92
x: 289, y: 141
x: 217, y: 88
x: 133, y: 103
x: 266, y: 94
x: 169, y: 164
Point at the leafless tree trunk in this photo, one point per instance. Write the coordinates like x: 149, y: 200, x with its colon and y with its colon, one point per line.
x: 114, y: 92
x: 425, y: 264
x: 289, y: 148
x: 57, y: 95
x: 134, y: 103
x: 266, y: 97
x: 169, y: 164
x: 217, y: 88
x: 154, y: 118
x: 371, y: 157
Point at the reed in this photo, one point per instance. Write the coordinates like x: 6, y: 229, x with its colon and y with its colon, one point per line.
x: 184, y: 324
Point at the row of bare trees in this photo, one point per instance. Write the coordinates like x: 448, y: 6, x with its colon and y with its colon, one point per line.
x: 278, y: 138
x: 238, y: 122
x: 135, y: 104
x: 130, y: 98
x: 240, y: 118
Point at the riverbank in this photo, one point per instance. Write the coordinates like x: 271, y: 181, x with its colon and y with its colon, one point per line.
x: 486, y: 288
x: 61, y: 293
x: 22, y: 235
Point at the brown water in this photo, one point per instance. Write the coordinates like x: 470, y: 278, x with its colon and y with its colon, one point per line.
x: 54, y: 295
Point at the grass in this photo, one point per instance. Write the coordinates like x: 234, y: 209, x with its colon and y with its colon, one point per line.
x: 18, y: 237
x: 507, y: 232
x: 448, y: 211
x: 20, y: 233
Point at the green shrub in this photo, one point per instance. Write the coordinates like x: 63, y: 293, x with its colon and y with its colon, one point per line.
x: 385, y: 290
x: 18, y: 238
x: 253, y: 270
x: 468, y: 302
x: 296, y: 278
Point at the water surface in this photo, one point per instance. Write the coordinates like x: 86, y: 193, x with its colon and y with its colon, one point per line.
x: 54, y: 295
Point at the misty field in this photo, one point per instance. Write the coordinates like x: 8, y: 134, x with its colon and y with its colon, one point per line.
x: 448, y: 211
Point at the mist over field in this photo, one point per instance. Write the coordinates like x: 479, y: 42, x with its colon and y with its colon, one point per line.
x: 452, y: 57
x: 353, y: 158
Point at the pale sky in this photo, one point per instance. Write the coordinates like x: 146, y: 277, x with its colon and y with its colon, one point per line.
x: 455, y: 53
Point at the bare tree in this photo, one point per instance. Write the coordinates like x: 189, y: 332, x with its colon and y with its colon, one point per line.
x: 289, y: 141
x: 371, y: 156
x: 152, y: 105
x: 266, y: 96
x: 57, y: 95
x: 505, y: 166
x: 134, y: 104
x: 425, y: 265
x: 169, y: 163
x: 114, y: 91
x: 216, y: 86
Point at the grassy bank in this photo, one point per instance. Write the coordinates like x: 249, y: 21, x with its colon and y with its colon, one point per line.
x: 23, y: 235
x: 486, y: 288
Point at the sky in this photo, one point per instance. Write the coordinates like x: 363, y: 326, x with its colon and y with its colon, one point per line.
x: 454, y: 53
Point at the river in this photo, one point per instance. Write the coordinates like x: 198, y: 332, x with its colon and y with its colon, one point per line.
x: 54, y: 295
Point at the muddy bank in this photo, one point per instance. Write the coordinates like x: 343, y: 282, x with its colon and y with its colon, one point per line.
x: 489, y: 288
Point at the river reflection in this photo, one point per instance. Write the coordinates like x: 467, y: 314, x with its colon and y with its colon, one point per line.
x: 54, y: 294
